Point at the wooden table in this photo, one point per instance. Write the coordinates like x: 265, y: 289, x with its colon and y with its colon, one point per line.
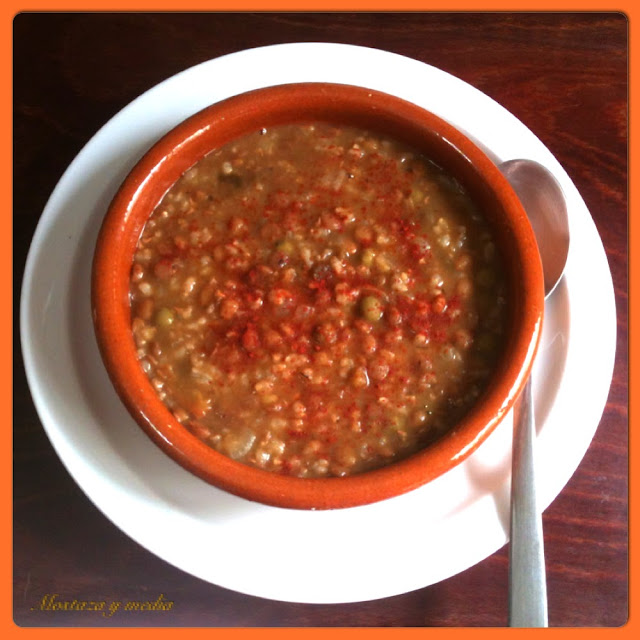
x: 563, y: 75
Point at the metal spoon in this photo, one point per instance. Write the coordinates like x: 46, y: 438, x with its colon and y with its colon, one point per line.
x: 544, y: 202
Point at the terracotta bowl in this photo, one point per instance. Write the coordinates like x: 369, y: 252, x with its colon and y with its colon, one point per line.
x: 216, y: 125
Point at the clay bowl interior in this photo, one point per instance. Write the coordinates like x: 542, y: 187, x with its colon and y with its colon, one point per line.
x: 211, y: 128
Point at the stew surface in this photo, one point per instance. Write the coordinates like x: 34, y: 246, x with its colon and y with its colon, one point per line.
x: 317, y: 301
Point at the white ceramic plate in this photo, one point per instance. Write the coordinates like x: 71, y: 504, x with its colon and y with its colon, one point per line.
x: 349, y: 555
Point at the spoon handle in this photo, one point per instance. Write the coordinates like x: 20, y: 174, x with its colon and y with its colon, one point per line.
x: 527, y: 575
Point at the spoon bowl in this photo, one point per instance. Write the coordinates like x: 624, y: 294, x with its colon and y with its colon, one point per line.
x: 545, y: 205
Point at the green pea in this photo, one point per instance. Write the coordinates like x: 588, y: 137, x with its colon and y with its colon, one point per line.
x: 372, y: 308
x: 164, y: 318
x: 285, y: 246
x: 368, y: 256
x: 417, y: 197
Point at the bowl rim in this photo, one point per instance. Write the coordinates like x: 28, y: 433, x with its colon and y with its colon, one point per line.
x: 168, y: 158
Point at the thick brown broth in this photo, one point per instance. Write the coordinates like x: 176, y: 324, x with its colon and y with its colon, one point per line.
x: 317, y: 300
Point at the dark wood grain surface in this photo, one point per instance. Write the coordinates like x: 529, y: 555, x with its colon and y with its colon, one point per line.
x: 563, y: 75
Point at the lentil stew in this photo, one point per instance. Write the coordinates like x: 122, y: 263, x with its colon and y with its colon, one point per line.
x: 316, y: 300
